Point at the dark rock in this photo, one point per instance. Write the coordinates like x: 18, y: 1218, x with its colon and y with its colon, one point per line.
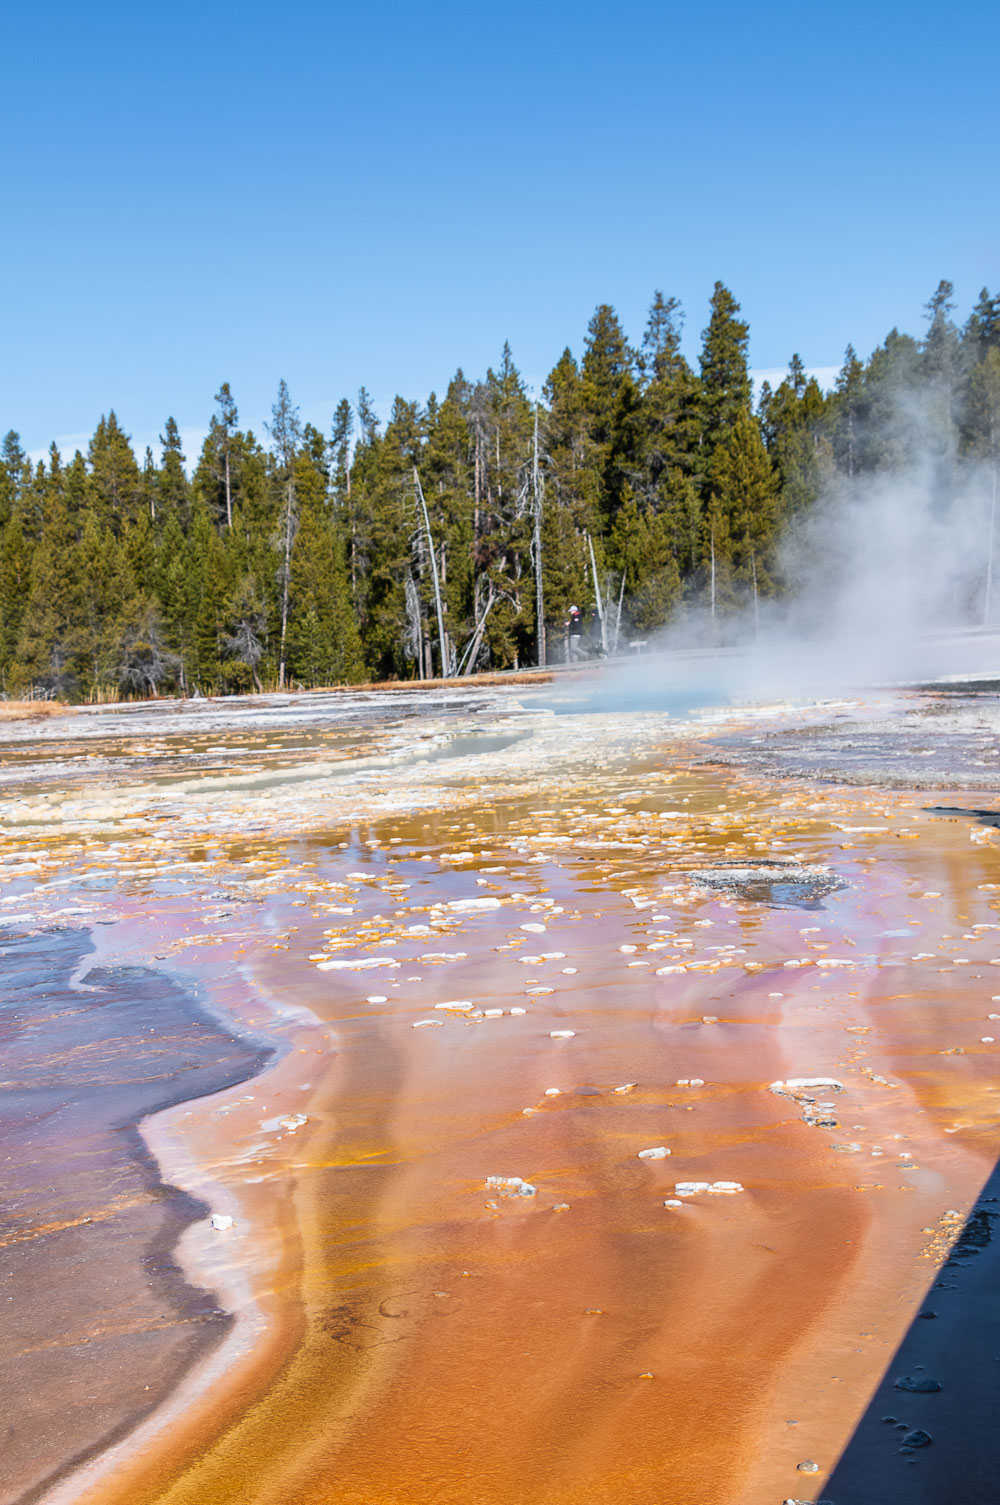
x: 974, y: 1236
x: 917, y: 1438
x: 917, y: 1384
x: 927, y: 1316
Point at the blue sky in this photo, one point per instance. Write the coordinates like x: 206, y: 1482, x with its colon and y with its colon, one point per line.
x: 340, y: 195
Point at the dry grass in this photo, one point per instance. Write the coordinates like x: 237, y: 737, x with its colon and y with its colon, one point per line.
x: 33, y: 710
x: 533, y: 677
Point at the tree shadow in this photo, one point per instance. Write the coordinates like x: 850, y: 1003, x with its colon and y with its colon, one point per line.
x: 954, y: 1344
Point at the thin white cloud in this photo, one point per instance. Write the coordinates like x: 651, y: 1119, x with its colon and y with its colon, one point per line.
x: 775, y: 375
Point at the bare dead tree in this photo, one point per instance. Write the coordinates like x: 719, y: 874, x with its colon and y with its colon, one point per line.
x: 413, y: 638
x: 467, y: 663
x: 434, y: 572
x: 618, y: 613
x: 286, y: 432
x: 597, y: 593
x: 538, y: 491
x: 226, y: 424
x: 246, y: 641
x: 144, y: 664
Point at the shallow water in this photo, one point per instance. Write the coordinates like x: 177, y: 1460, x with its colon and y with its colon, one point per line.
x: 420, y: 1337
x: 99, y: 1321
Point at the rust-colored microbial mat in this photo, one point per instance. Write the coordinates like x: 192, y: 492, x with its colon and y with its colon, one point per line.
x: 455, y: 1272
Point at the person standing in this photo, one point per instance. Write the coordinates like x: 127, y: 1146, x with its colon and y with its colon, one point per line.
x: 574, y: 629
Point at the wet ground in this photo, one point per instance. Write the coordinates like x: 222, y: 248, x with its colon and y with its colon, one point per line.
x: 937, y: 738
x: 99, y: 1322
x: 494, y: 981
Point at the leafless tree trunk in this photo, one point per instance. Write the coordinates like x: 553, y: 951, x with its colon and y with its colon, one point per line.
x: 286, y: 575
x: 988, y: 602
x: 413, y: 640
x: 597, y: 593
x: 537, y: 488
x: 756, y: 603
x: 434, y: 573
x: 468, y: 664
x: 618, y: 613
x: 286, y: 432
x: 227, y: 421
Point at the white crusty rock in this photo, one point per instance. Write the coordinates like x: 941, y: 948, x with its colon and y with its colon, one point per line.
x: 356, y: 964
x: 797, y: 1084
x: 510, y: 1186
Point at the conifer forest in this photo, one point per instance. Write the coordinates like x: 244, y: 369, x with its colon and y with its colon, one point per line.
x: 455, y: 537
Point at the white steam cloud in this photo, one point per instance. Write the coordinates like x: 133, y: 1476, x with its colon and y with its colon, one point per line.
x: 891, y: 578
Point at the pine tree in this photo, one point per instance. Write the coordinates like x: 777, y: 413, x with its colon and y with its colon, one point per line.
x: 206, y: 588
x: 171, y: 570
x: 892, y: 385
x: 610, y: 398
x: 115, y: 479
x: 608, y: 364
x: 15, y: 472
x: 15, y: 583
x: 669, y: 433
x: 225, y: 427
x: 848, y: 412
x: 572, y: 493
x: 384, y: 478
x: 352, y: 501
x: 725, y: 379
x: 49, y: 651
x: 982, y: 331
x: 149, y: 486
x: 367, y: 418
x: 795, y: 429
x: 502, y: 584
x: 741, y: 517
x: 100, y: 604
x: 173, y: 488
x: 138, y: 546
x: 341, y: 434
x: 981, y: 427
x: 323, y: 643
x: 641, y: 547
x: 939, y: 380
